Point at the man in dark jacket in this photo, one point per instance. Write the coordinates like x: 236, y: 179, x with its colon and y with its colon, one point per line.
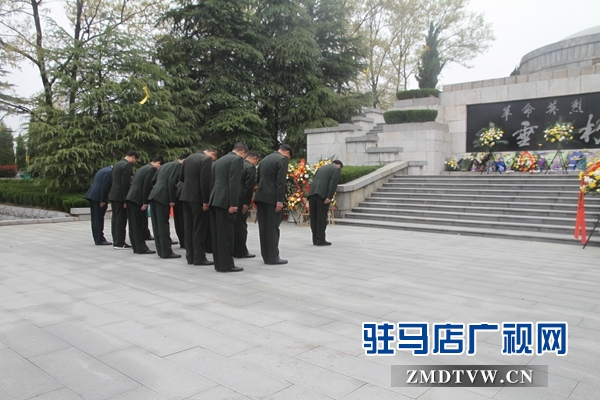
x: 121, y: 180
x: 162, y: 198
x: 97, y: 195
x: 223, y: 202
x: 137, y: 204
x: 269, y: 198
x: 319, y: 198
x: 195, y: 195
x: 240, y: 250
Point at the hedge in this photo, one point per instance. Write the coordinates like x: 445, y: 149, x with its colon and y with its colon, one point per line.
x: 32, y: 193
x: 8, y: 171
x: 405, y: 116
x: 417, y: 94
x: 352, y: 172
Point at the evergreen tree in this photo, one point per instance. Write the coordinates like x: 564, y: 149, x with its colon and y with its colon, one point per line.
x: 21, y: 153
x: 7, y: 153
x: 430, y: 65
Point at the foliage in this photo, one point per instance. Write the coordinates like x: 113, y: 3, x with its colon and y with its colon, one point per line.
x: 406, y: 116
x: 417, y: 93
x: 21, y: 153
x: 516, y: 71
x: 352, y: 172
x: 8, y: 171
x: 430, y: 63
x: 36, y: 193
x: 559, y: 132
x: 489, y: 137
x: 7, y: 153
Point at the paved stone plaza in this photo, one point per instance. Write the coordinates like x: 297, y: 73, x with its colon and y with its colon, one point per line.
x: 84, y: 321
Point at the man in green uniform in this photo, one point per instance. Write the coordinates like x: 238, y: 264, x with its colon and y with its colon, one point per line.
x: 137, y: 204
x: 97, y: 195
x: 121, y: 180
x: 195, y: 195
x: 223, y: 202
x: 162, y: 198
x: 240, y: 250
x: 319, y: 198
x: 269, y: 198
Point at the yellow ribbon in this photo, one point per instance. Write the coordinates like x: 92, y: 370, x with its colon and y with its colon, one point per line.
x: 145, y: 99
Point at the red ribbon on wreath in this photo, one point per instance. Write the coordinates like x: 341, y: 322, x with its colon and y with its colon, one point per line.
x: 580, y: 218
x: 521, y: 164
x: 298, y: 175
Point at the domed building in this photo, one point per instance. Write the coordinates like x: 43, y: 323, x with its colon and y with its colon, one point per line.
x: 581, y: 49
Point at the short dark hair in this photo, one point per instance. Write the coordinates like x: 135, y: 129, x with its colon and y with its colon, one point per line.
x: 253, y: 154
x: 212, y: 150
x: 158, y: 159
x: 133, y: 153
x: 289, y: 148
x: 183, y: 156
x: 240, y: 146
x: 338, y: 162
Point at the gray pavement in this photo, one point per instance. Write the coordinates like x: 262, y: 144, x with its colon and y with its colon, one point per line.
x: 84, y: 321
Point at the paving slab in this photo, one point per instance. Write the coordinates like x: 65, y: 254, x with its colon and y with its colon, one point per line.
x: 79, y: 321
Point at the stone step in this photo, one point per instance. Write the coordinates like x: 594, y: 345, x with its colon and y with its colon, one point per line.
x: 468, y: 231
x: 483, y: 225
x: 574, y: 186
x: 563, y: 212
x: 470, y: 215
x: 481, y: 191
x: 591, y: 207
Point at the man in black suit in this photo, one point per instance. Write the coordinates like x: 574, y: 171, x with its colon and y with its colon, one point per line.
x: 97, y: 195
x: 162, y: 198
x: 137, y: 204
x: 223, y: 202
x: 240, y: 250
x: 121, y: 180
x: 269, y: 199
x: 319, y: 198
x: 195, y: 195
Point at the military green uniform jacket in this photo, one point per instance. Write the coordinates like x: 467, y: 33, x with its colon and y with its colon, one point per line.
x: 271, y: 178
x: 196, y: 175
x: 121, y: 180
x: 326, y: 181
x: 142, y: 185
x: 226, y: 173
x: 248, y: 181
x: 165, y: 183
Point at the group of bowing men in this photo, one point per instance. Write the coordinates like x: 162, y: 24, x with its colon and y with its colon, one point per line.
x: 210, y: 198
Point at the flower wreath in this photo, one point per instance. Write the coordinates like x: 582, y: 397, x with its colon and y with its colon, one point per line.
x: 526, y: 162
x: 590, y: 179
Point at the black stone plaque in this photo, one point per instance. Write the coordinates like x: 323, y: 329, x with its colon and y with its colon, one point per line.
x: 524, y: 121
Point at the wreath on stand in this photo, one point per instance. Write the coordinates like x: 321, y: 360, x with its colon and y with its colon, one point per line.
x: 526, y: 162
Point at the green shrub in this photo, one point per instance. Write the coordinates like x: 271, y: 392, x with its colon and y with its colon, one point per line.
x: 417, y: 94
x: 34, y: 193
x: 352, y: 172
x: 8, y: 171
x: 405, y: 116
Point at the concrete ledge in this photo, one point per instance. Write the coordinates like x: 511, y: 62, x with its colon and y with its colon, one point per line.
x: 366, y: 138
x: 362, y: 119
x: 373, y: 110
x: 84, y: 213
x: 384, y: 150
x: 37, y: 221
x: 415, y: 126
x: 339, y: 128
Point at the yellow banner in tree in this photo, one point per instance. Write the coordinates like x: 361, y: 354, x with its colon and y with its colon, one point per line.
x: 145, y: 99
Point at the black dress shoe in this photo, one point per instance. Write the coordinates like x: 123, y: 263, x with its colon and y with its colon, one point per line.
x: 205, y: 262
x: 236, y: 269
x: 173, y: 255
x: 104, y: 243
x: 150, y: 237
x: 326, y: 243
x: 279, y: 262
x: 148, y: 252
x: 248, y: 255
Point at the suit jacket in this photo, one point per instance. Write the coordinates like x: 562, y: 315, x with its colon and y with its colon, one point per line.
x: 165, y: 183
x: 100, y: 186
x: 271, y: 178
x: 227, y: 172
x: 121, y: 180
x: 196, y: 175
x: 142, y: 185
x: 248, y: 181
x: 326, y: 181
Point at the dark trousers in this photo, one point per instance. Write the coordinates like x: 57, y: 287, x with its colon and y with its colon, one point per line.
x: 268, y: 231
x: 221, y: 222
x: 179, y: 220
x: 206, y: 232
x: 161, y: 228
x: 97, y: 218
x: 118, y: 223
x: 194, y: 236
x: 318, y: 218
x: 240, y: 228
x: 147, y: 233
x: 137, y: 235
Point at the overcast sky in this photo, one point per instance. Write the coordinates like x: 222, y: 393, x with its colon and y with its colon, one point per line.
x: 519, y: 26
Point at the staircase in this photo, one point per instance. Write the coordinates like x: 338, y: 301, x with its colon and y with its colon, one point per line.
x: 517, y: 206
